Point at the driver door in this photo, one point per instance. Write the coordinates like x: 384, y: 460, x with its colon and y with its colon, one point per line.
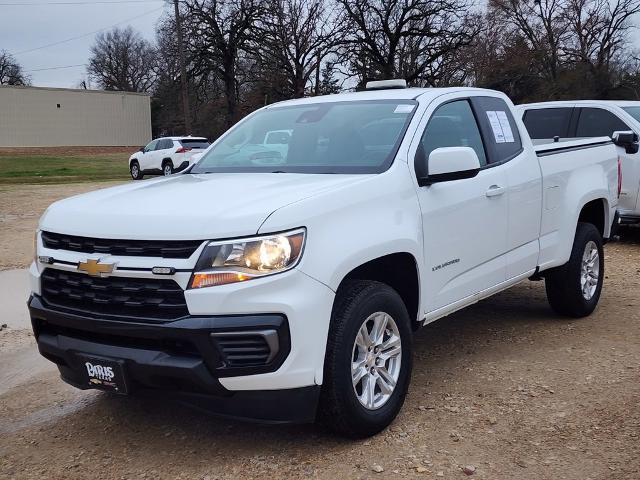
x: 464, y: 221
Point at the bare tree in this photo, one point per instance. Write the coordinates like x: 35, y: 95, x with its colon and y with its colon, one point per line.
x: 11, y: 72
x: 543, y: 24
x: 122, y: 60
x: 218, y: 34
x: 298, y: 36
x: 600, y: 37
x: 405, y: 38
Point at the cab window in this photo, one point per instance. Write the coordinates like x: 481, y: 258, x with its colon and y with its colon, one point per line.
x: 596, y: 122
x: 546, y: 123
x: 452, y: 125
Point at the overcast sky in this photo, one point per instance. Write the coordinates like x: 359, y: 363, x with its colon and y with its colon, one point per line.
x: 29, y: 26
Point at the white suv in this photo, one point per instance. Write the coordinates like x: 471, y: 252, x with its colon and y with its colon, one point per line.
x: 164, y: 156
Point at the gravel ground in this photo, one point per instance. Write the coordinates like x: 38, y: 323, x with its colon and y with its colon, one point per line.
x: 504, y: 389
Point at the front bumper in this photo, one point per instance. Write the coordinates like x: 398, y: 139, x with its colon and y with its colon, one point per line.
x: 187, y: 356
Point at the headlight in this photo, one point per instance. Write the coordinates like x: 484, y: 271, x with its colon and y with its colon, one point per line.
x: 234, y: 261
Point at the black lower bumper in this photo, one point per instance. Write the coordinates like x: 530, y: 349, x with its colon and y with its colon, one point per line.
x: 185, y: 357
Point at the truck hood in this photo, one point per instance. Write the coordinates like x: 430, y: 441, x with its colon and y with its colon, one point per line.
x: 186, y: 207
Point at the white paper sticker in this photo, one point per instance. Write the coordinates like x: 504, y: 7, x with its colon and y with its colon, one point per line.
x: 500, y: 125
x: 506, y: 127
x: 495, y: 126
x: 404, y: 108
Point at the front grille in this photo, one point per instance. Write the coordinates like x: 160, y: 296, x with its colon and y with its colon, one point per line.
x: 139, y: 248
x: 113, y: 296
x: 245, y: 349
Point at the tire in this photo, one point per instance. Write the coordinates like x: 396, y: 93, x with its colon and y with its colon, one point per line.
x: 167, y: 168
x: 340, y: 408
x: 135, y: 171
x: 567, y: 291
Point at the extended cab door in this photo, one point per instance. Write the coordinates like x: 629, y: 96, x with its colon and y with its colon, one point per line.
x: 464, y: 221
x: 523, y: 182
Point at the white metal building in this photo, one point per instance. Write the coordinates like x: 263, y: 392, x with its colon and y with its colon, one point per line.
x: 48, y: 117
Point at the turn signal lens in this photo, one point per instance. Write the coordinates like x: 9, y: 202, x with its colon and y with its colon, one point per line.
x: 201, y: 280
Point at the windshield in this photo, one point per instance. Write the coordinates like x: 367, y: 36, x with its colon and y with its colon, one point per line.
x: 633, y: 111
x: 340, y: 137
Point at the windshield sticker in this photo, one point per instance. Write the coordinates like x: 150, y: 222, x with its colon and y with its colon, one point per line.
x: 506, y: 127
x: 404, y: 108
x: 495, y: 126
x: 500, y: 125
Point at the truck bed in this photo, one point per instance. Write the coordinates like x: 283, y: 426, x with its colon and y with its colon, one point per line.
x: 571, y: 172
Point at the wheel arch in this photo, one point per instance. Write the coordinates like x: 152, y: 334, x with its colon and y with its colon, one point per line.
x: 398, y: 270
x: 595, y: 212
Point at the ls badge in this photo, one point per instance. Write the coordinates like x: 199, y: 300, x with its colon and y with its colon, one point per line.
x: 95, y: 268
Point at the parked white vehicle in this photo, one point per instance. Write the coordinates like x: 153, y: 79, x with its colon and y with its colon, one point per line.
x: 164, y: 156
x: 290, y: 292
x: 569, y: 120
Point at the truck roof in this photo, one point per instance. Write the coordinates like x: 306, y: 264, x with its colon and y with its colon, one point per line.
x: 387, y: 94
x: 560, y: 103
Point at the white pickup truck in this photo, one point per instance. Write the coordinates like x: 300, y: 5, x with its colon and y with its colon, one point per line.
x: 579, y: 119
x: 288, y: 290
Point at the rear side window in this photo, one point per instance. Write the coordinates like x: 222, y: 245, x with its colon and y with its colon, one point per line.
x: 452, y: 125
x: 194, y: 143
x: 498, y: 127
x: 546, y: 123
x: 596, y: 122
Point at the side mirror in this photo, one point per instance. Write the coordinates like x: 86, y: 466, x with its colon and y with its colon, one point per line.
x: 451, y: 163
x: 141, y: 149
x: 626, y: 139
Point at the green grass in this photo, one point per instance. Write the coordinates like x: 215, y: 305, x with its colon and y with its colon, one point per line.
x: 17, y: 169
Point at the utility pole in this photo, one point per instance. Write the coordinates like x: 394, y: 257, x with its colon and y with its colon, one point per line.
x: 183, y: 72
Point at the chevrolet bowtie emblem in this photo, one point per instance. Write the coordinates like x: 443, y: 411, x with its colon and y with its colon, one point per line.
x: 95, y: 269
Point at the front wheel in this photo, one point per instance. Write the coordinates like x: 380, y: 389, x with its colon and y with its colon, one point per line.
x: 134, y: 168
x: 368, y: 360
x: 574, y: 288
x: 167, y: 169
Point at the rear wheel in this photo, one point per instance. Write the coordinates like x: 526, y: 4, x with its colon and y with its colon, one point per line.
x: 574, y: 288
x: 134, y: 168
x: 167, y: 168
x: 368, y: 359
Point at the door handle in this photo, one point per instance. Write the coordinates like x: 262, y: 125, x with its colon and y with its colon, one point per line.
x: 494, y: 191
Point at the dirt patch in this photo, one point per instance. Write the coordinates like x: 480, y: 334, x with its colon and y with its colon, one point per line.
x: 20, y: 209
x: 505, y: 386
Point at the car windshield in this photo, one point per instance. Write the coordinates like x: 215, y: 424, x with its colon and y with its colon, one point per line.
x: 339, y: 137
x: 633, y: 111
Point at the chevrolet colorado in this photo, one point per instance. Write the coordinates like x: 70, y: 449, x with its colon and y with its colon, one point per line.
x: 285, y: 288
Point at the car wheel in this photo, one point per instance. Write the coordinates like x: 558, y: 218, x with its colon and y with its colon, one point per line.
x: 167, y: 168
x: 574, y: 288
x: 368, y: 360
x: 134, y: 168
